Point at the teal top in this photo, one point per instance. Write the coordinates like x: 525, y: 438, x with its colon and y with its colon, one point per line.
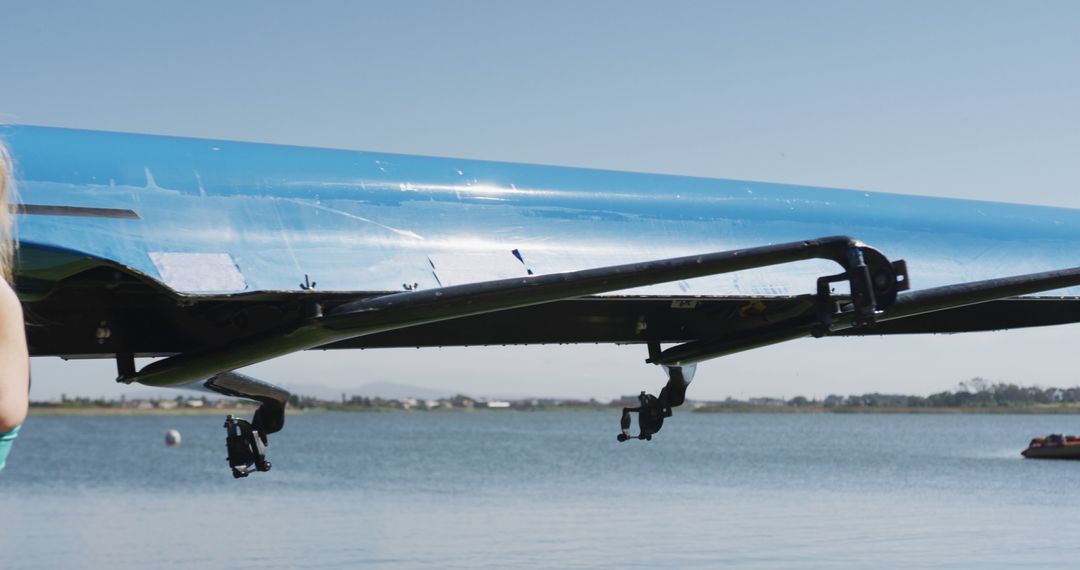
x: 6, y: 439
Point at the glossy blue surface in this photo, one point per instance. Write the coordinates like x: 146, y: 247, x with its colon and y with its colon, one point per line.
x: 363, y: 221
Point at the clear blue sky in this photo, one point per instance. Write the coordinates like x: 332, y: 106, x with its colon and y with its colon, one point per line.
x: 964, y: 99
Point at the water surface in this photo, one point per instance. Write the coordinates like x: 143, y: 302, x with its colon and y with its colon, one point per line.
x: 547, y: 489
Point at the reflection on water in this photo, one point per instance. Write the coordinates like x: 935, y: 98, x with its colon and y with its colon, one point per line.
x: 551, y: 489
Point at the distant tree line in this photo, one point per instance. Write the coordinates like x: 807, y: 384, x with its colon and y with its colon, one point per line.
x: 974, y: 393
x: 977, y: 392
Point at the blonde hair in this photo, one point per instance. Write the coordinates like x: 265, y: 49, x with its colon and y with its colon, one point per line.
x: 7, y: 203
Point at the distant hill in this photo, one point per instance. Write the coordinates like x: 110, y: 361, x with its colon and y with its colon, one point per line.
x: 395, y: 391
x: 385, y: 390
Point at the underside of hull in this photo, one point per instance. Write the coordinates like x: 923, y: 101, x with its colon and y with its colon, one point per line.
x: 103, y: 311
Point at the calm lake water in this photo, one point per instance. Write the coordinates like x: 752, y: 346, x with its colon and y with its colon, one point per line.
x: 549, y: 489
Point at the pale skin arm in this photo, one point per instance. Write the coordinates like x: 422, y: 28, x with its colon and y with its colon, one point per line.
x: 14, y: 361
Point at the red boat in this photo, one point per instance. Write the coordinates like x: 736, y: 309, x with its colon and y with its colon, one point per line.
x: 1054, y: 446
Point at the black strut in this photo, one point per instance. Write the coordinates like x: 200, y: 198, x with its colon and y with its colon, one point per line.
x: 874, y: 282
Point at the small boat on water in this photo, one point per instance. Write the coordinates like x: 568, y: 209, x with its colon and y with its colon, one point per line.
x: 1054, y: 446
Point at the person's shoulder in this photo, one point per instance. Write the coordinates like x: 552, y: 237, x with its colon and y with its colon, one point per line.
x: 7, y: 293
x: 9, y: 300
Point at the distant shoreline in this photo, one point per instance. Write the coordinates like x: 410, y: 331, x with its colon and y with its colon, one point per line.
x: 1065, y: 410
x: 114, y: 411
x: 241, y: 411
